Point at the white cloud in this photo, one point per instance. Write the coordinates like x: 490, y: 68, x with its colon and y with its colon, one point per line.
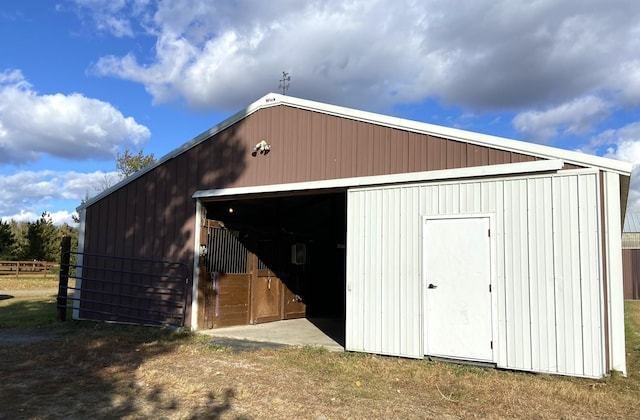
x: 29, y: 193
x: 23, y: 216
x: 624, y: 144
x: 621, y: 144
x: 482, y: 54
x: 576, y: 117
x: 57, y: 218
x: 629, y: 81
x: 68, y: 126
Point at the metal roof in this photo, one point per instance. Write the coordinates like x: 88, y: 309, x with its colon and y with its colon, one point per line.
x: 631, y: 222
x: 274, y: 99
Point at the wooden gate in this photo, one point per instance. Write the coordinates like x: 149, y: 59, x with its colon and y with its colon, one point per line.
x: 236, y: 286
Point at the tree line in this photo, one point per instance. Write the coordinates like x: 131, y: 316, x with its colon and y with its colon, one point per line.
x: 39, y: 240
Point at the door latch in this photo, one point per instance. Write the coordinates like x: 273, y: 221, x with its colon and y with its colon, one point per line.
x: 432, y: 286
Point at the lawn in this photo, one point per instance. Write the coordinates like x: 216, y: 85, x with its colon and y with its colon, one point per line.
x: 28, y: 282
x: 94, y: 370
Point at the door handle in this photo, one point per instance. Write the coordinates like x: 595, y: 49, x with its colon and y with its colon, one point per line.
x: 432, y: 286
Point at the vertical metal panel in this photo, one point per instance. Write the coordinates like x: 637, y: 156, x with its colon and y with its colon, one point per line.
x: 79, y: 261
x: 567, y: 259
x: 516, y: 269
x: 429, y: 195
x: 613, y: 239
x: 390, y: 262
x: 449, y: 200
x: 576, y: 262
x: 541, y: 279
x: 471, y: 198
x: 631, y: 272
x: 383, y: 288
x: 590, y: 269
x: 355, y: 273
x: 493, y: 202
x: 411, y: 274
x: 373, y: 283
x: 547, y: 296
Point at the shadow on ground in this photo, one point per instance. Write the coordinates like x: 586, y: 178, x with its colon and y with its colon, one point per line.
x: 92, y: 370
x: 239, y: 346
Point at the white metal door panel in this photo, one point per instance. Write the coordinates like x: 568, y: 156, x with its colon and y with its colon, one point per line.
x: 457, y: 261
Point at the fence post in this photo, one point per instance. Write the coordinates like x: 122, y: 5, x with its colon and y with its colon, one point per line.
x: 65, y: 254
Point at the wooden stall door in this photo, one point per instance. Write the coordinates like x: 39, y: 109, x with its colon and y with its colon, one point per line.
x: 223, y: 297
x: 266, y: 296
x: 292, y: 306
x: 272, y: 299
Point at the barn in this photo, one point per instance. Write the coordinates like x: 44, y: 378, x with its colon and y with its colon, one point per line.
x: 425, y: 241
x: 631, y: 255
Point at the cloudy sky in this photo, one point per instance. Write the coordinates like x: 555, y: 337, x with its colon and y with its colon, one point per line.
x: 81, y: 80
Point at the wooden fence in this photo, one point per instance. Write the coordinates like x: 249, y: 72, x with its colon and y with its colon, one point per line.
x: 18, y: 268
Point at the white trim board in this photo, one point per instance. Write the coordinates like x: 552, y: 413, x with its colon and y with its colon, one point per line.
x: 471, y: 172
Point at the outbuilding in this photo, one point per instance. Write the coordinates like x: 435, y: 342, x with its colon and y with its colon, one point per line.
x: 425, y: 241
x: 631, y: 255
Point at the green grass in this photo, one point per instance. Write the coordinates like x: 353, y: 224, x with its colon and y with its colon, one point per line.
x: 28, y: 312
x: 632, y: 336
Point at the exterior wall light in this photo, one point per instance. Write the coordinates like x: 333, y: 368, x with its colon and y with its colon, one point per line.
x: 262, y: 147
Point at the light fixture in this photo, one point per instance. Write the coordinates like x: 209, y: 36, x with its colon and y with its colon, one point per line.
x: 263, y: 147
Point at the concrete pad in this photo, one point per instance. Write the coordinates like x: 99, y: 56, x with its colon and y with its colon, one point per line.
x: 293, y: 332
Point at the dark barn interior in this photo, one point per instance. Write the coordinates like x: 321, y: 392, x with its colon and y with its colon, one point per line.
x: 312, y: 226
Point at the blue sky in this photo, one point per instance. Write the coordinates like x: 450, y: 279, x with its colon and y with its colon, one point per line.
x: 81, y: 80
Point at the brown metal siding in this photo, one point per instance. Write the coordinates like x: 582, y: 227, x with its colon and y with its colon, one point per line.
x: 308, y: 146
x: 631, y: 273
x: 154, y: 215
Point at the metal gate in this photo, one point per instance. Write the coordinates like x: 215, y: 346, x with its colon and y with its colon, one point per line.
x: 126, y: 290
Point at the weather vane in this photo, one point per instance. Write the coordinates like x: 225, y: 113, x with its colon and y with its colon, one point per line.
x: 284, y: 82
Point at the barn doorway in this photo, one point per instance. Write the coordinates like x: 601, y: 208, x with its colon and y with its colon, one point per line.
x: 294, y: 246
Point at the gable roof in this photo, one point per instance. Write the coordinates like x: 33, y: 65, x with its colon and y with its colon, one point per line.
x: 274, y: 99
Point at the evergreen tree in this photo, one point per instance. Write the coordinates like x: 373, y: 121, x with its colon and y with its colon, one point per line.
x: 7, y: 242
x: 19, y: 230
x: 43, y: 240
x: 66, y: 230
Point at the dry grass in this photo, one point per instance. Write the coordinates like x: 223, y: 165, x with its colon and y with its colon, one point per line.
x: 101, y: 370
x: 30, y: 282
